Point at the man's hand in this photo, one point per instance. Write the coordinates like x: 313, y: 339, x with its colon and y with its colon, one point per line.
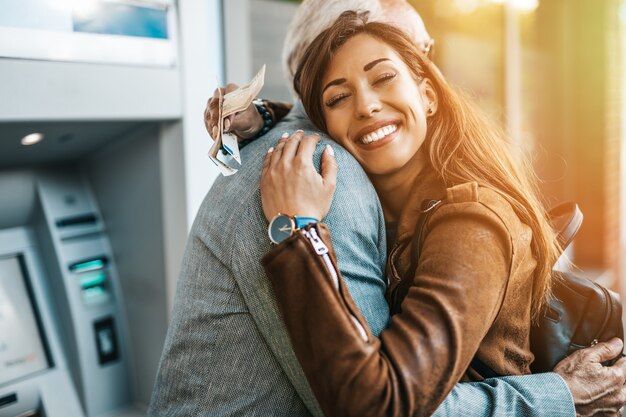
x: 597, y: 390
x: 245, y: 124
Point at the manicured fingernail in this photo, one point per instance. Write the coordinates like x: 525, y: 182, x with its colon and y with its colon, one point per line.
x: 270, y: 150
x: 226, y: 124
x: 299, y: 131
x: 330, y: 150
x: 284, y: 135
x: 214, y: 131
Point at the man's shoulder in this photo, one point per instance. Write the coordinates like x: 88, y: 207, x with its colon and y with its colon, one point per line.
x: 237, y: 198
x: 235, y: 193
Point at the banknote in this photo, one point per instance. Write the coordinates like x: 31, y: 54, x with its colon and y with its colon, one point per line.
x: 225, y: 148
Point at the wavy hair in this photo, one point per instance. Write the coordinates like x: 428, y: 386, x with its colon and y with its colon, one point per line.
x: 463, y: 145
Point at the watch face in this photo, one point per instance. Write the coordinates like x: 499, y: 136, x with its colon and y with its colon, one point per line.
x: 280, y: 228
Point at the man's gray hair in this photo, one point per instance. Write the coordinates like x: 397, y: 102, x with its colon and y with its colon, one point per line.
x: 311, y: 18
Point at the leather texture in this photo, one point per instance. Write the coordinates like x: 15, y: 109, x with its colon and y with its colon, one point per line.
x: 580, y: 313
x: 476, y: 254
x: 227, y: 352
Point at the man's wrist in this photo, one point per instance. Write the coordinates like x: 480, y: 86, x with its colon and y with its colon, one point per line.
x: 265, y: 118
x: 258, y: 123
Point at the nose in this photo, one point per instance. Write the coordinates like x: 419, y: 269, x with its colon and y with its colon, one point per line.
x: 367, y: 103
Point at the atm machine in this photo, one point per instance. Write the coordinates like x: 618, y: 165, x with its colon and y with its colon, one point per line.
x: 92, y: 219
x: 59, y: 293
x: 33, y: 370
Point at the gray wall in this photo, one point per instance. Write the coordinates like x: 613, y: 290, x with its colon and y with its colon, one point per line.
x: 126, y: 180
x: 270, y: 19
x: 17, y: 193
x: 254, y: 32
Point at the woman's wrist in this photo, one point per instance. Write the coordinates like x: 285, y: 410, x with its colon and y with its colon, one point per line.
x: 283, y: 226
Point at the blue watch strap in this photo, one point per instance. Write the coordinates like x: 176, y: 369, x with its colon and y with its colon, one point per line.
x: 302, y: 222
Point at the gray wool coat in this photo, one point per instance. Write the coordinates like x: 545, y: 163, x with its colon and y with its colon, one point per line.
x: 227, y: 352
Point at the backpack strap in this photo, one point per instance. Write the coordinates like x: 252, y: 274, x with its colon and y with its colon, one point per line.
x: 482, y: 369
x: 401, y: 290
x: 566, y: 219
x: 428, y: 209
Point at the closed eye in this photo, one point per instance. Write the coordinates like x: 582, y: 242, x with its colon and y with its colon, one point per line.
x: 383, y: 78
x: 334, y: 100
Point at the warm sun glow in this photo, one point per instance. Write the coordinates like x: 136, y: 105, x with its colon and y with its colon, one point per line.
x: 521, y: 5
x: 468, y: 6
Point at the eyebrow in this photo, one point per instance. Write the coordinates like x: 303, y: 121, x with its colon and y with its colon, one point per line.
x: 373, y: 63
x: 366, y: 68
x: 338, y: 81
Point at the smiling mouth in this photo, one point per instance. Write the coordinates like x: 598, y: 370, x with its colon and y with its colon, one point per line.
x: 378, y: 134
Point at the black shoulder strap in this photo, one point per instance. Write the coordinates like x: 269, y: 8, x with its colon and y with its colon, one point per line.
x: 428, y: 208
x: 482, y: 369
x: 566, y: 219
x: 401, y: 290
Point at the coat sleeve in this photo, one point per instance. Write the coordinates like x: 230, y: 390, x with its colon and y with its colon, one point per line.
x: 414, y: 365
x: 539, y: 395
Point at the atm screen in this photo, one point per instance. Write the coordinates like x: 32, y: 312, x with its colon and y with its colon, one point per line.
x: 22, y: 350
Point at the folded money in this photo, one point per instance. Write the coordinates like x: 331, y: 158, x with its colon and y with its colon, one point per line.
x: 231, y: 103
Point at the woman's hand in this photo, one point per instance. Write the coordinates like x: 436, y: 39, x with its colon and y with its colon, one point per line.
x: 597, y: 390
x: 289, y: 182
x: 245, y: 124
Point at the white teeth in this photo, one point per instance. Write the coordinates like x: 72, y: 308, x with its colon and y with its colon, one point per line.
x: 378, y: 134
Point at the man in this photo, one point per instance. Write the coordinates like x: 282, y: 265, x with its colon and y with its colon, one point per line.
x: 227, y: 352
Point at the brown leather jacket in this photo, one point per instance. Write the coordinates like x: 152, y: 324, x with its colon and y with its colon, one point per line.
x: 471, y: 295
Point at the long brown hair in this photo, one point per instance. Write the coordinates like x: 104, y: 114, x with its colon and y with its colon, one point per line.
x: 462, y: 144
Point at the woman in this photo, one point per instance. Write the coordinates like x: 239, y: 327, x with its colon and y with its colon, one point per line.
x: 486, y: 251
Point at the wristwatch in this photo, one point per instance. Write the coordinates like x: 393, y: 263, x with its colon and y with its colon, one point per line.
x: 282, y: 226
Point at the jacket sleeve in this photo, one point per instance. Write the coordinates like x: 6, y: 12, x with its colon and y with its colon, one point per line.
x: 538, y: 395
x: 427, y: 348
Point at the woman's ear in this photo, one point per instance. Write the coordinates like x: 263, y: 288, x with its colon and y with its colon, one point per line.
x: 429, y: 97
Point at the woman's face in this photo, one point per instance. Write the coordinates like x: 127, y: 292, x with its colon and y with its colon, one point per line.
x: 373, y: 106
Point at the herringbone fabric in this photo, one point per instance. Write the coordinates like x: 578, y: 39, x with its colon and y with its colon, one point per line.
x: 227, y: 352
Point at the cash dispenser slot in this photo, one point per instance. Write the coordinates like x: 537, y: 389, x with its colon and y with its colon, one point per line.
x: 8, y: 400
x: 94, y: 288
x: 80, y: 220
x: 88, y: 265
x: 93, y: 280
x: 78, y: 226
